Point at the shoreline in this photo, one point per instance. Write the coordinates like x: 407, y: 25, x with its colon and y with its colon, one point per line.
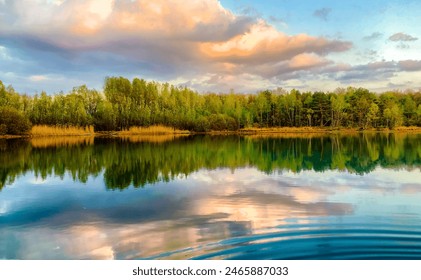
x: 243, y: 131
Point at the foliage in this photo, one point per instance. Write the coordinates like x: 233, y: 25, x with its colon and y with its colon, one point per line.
x: 13, y: 122
x: 139, y: 103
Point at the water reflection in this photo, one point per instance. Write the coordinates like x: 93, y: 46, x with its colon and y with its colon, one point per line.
x: 203, y: 215
x: 141, y: 161
x: 223, y: 197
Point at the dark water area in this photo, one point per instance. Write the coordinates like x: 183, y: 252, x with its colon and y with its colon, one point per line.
x: 211, y: 197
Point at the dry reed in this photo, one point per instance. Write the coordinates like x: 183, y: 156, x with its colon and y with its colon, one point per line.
x: 408, y: 129
x: 151, y: 130
x: 45, y: 130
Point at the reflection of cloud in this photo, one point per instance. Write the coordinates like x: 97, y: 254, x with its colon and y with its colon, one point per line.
x: 411, y: 188
x: 262, y: 206
x: 207, y: 207
x: 265, y: 201
x: 4, y: 207
x: 98, y: 247
x: 310, y: 194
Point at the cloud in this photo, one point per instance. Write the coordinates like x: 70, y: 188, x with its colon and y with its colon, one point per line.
x: 155, y: 38
x: 375, y: 71
x: 410, y: 65
x: 402, y: 37
x: 263, y: 43
x: 3, y: 53
x: 323, y: 13
x: 373, y: 36
x: 38, y: 78
x: 306, y: 61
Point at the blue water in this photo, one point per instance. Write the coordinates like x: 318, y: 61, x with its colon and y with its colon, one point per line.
x: 353, y: 197
x: 216, y: 214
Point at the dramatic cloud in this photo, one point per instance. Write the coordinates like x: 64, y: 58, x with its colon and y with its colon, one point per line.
x: 55, y: 45
x: 322, y: 14
x: 402, y: 37
x: 153, y: 37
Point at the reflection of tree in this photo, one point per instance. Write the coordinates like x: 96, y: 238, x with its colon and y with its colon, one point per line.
x: 125, y: 163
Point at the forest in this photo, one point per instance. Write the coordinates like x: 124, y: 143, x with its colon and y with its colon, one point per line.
x: 123, y: 104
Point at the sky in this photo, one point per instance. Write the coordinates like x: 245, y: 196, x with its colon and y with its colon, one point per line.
x: 210, y: 45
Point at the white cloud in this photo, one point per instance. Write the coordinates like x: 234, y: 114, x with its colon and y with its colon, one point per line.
x: 4, y: 54
x: 38, y: 78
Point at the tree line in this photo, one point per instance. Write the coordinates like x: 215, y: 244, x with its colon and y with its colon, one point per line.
x: 124, y: 103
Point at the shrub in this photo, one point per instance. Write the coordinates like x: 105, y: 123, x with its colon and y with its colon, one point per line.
x: 3, y: 129
x: 13, y: 122
x: 221, y: 122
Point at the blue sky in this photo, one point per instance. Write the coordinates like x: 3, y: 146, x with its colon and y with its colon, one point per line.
x: 211, y: 45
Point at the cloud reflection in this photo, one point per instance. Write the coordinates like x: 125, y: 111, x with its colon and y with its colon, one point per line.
x: 207, y: 207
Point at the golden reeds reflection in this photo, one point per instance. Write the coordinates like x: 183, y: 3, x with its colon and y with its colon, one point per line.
x: 61, y: 141
x: 65, y: 141
x: 152, y: 138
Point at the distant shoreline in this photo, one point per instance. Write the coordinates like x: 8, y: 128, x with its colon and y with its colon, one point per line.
x: 243, y: 131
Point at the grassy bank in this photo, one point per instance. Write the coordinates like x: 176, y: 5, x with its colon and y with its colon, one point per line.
x: 274, y: 130
x: 159, y: 130
x: 151, y: 130
x: 316, y: 130
x: 45, y: 130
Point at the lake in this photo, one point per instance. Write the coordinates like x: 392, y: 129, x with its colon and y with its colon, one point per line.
x: 293, y: 196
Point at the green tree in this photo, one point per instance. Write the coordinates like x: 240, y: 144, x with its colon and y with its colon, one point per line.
x: 393, y: 115
x: 13, y: 122
x: 339, y: 107
x: 372, y: 116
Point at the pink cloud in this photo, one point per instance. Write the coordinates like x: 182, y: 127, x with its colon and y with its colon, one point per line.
x: 198, y: 38
x: 306, y: 61
x: 263, y: 43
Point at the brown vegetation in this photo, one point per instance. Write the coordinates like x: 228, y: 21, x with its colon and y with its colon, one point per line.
x: 152, y: 130
x: 45, y: 130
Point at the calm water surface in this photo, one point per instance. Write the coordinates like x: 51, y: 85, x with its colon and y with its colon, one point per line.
x: 203, y: 197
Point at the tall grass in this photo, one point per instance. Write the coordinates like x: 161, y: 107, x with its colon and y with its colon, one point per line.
x: 45, y: 130
x: 151, y: 130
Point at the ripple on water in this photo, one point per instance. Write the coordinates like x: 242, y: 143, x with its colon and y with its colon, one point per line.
x: 327, y: 240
